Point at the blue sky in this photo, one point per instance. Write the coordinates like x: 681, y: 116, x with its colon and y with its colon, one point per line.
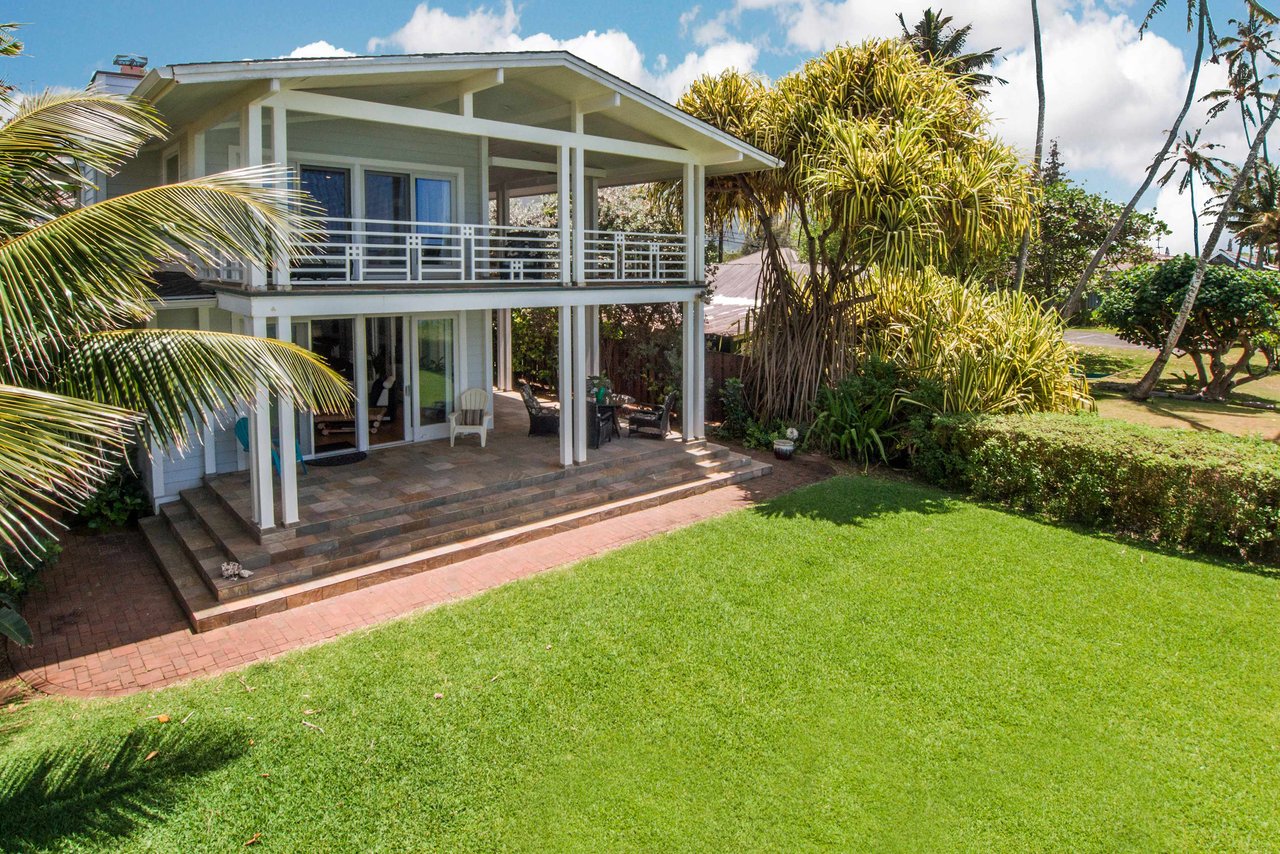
x: 1110, y: 93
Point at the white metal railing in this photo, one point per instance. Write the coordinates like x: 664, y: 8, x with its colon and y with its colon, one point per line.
x: 367, y: 251
x: 635, y: 256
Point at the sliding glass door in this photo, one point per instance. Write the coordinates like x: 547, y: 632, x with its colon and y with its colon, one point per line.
x: 435, y: 360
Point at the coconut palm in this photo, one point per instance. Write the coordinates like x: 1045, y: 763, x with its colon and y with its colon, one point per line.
x: 940, y: 43
x: 1256, y: 217
x: 1192, y: 161
x: 1253, y: 38
x: 1197, y: 17
x: 80, y: 381
x: 1240, y: 90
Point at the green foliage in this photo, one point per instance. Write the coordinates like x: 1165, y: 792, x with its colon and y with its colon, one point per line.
x: 1071, y: 224
x: 737, y: 415
x: 1236, y: 308
x: 859, y: 419
x: 981, y: 351
x: 18, y: 574
x: 119, y: 501
x: 1187, y: 490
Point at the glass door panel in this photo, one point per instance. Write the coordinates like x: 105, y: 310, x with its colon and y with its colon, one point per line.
x: 331, y: 188
x: 334, y: 341
x: 386, y: 202
x: 434, y: 362
x: 433, y: 210
x: 384, y: 337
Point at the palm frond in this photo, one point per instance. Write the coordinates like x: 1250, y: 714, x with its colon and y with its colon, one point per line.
x: 182, y: 379
x: 90, y: 268
x: 54, y: 453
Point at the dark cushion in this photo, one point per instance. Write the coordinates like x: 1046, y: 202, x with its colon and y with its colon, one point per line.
x: 471, y: 417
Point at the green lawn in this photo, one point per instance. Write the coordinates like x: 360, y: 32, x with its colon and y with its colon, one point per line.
x: 866, y: 664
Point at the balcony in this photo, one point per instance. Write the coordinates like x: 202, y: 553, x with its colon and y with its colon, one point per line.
x: 353, y: 252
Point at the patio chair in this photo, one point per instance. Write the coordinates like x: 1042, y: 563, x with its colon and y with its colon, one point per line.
x: 470, y: 415
x: 650, y: 420
x: 544, y: 419
x: 242, y: 434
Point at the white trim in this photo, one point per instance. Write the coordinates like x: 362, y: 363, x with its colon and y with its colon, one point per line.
x: 206, y: 432
x: 287, y: 427
x: 579, y: 385
x: 360, y: 371
x: 317, y: 305
x: 357, y: 166
x: 562, y: 214
x: 540, y: 166
x: 566, y: 385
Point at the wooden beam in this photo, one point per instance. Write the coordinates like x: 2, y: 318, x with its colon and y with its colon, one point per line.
x: 351, y: 108
x: 539, y: 166
x: 564, y: 111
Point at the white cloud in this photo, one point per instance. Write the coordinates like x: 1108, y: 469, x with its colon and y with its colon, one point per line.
x: 432, y: 29
x: 317, y: 49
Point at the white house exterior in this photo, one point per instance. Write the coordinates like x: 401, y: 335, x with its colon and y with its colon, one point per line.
x: 409, y: 292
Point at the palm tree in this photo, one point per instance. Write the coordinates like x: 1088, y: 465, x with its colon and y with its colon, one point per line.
x: 1192, y: 160
x: 1240, y: 90
x: 939, y: 43
x: 1253, y: 38
x: 80, y: 381
x: 1256, y: 217
x: 1025, y: 248
x: 1143, y: 389
x: 1197, y: 15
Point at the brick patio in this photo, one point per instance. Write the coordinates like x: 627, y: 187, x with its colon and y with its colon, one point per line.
x: 106, y: 623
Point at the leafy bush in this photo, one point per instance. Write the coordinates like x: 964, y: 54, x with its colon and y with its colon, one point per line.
x: 859, y: 419
x: 1236, y: 308
x: 121, y: 500
x: 737, y: 415
x: 17, y: 575
x: 1196, y: 491
x: 983, y: 351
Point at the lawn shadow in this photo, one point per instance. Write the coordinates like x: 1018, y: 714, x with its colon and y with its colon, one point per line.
x: 856, y: 500
x: 102, y: 791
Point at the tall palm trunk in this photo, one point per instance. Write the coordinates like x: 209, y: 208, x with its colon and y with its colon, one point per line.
x: 1142, y: 390
x: 1257, y: 81
x: 1072, y: 304
x: 1025, y: 248
x: 1195, y: 217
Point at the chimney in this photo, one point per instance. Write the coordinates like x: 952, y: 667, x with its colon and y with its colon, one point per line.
x: 124, y: 78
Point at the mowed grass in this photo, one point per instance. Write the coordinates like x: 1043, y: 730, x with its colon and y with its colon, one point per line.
x: 865, y: 664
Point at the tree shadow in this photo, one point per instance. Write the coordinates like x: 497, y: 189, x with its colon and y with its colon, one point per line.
x: 858, y: 499
x: 102, y: 791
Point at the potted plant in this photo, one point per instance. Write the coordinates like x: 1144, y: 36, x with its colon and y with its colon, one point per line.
x: 784, y: 448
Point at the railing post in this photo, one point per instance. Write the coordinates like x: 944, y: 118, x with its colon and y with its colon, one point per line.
x: 468, y: 259
x: 620, y: 255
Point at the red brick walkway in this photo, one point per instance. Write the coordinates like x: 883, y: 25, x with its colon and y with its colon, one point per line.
x: 105, y: 623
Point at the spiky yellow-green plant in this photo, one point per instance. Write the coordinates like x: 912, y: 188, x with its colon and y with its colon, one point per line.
x: 888, y: 165
x: 79, y: 382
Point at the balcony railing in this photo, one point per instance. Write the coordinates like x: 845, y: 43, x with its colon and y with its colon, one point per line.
x: 365, y: 251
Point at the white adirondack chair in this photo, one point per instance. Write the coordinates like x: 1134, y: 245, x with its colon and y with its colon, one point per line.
x: 469, y: 417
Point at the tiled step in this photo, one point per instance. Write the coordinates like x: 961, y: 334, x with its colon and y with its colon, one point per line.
x: 383, y: 539
x: 217, y: 614
x: 179, y: 572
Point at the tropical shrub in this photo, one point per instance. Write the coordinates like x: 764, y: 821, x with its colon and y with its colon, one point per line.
x: 737, y: 416
x: 859, y: 419
x: 18, y: 572
x: 119, y: 501
x: 1188, y: 490
x: 1236, y: 310
x: 981, y: 351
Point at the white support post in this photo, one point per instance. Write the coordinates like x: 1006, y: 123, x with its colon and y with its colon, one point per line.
x: 579, y: 217
x: 700, y: 224
x: 280, y: 154
x: 251, y: 155
x: 488, y: 362
x: 690, y: 221
x: 566, y: 386
x: 483, y: 216
x: 503, y: 204
x: 287, y: 428
x: 260, y: 475
x: 699, y: 425
x: 361, y: 372
x: 562, y: 209
x: 593, y: 340
x: 195, y: 155
x: 688, y: 392
x: 206, y: 431
x: 579, y: 384
x: 502, y: 343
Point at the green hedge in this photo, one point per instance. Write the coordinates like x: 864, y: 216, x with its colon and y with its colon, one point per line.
x: 1204, y: 492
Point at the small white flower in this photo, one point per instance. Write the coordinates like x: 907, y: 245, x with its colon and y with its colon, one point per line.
x: 793, y: 433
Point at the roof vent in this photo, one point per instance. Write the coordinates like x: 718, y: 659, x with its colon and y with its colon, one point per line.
x: 130, y: 63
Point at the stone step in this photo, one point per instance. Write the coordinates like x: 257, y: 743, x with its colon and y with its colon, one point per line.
x: 212, y: 615
x: 436, y: 527
x: 179, y: 572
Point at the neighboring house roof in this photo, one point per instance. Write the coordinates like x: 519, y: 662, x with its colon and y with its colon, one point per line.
x: 735, y: 290
x: 177, y: 286
x: 531, y: 75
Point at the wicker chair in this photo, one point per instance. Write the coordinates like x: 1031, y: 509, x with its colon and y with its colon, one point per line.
x: 544, y: 419
x: 651, y: 421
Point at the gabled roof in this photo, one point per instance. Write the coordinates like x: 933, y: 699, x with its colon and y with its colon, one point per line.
x: 555, y: 72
